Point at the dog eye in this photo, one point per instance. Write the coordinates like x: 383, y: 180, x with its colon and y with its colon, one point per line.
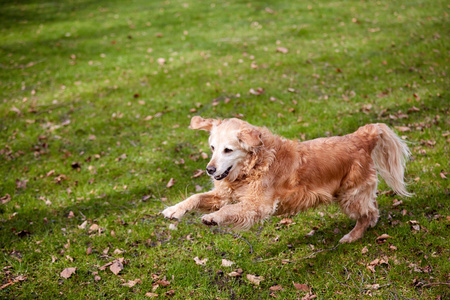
x: 227, y: 150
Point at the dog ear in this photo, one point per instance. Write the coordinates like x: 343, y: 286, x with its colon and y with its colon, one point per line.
x: 250, y: 136
x: 198, y: 122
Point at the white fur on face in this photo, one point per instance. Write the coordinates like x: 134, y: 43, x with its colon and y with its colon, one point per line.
x: 226, y: 152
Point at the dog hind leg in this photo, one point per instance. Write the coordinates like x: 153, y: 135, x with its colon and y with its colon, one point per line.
x: 360, y: 204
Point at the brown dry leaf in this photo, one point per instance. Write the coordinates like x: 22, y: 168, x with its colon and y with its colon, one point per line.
x: 382, y: 238
x: 309, y: 296
x: 285, y: 221
x: 397, y: 203
x: 116, y: 267
x: 132, y: 283
x: 5, y: 199
x: 256, y: 92
x: 67, y: 272
x: 255, y: 279
x: 364, y: 250
x: 94, y: 227
x: 236, y: 273
x: 442, y: 174
x: 403, y: 128
x: 275, y: 288
x: 170, y: 293
x: 117, y: 251
x: 199, y: 261
x: 97, y: 278
x: 71, y: 215
x: 21, y: 184
x: 282, y: 50
x: 151, y: 295
x: 198, y: 173
x: 83, y: 225
x: 171, y: 183
x: 301, y: 286
x: 163, y: 282
x: 227, y: 263
x: 161, y: 61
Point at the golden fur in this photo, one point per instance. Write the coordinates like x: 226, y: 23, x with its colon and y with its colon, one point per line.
x: 258, y: 174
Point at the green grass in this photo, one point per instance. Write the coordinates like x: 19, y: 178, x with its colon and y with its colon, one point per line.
x: 78, y: 80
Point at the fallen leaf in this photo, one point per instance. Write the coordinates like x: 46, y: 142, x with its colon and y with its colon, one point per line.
x: 94, y: 227
x: 170, y: 293
x: 276, y: 288
x: 5, y: 199
x: 171, y: 183
x: 285, y: 221
x: 236, y: 273
x: 116, y: 267
x: 403, y: 128
x: 198, y: 173
x: 117, y: 251
x: 97, y: 278
x: 256, y: 92
x: 172, y: 227
x: 364, y: 250
x: 151, y: 295
x: 255, y: 279
x: 282, y: 50
x: 309, y: 296
x: 163, y: 282
x: 132, y: 283
x: 21, y: 184
x: 227, y: 263
x: 83, y: 225
x: 199, y: 261
x: 161, y: 61
x: 301, y: 287
x: 382, y: 238
x: 66, y: 273
x: 374, y: 286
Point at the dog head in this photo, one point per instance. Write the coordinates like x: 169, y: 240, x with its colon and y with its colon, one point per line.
x: 231, y: 141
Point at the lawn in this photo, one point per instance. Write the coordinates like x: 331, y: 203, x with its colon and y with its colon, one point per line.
x: 95, y: 102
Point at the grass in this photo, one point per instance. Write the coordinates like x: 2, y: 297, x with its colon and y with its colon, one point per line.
x: 95, y: 100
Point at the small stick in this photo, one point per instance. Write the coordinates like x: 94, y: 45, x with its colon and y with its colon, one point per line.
x: 236, y: 236
x: 436, y: 283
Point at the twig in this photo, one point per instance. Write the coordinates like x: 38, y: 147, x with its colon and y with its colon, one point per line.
x: 436, y: 283
x: 236, y: 236
x: 359, y: 288
x: 341, y: 283
x: 323, y: 250
x: 309, y: 256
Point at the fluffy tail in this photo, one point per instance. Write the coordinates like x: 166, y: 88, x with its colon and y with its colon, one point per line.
x: 390, y: 155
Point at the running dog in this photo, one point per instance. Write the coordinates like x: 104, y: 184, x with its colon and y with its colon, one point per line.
x: 258, y: 174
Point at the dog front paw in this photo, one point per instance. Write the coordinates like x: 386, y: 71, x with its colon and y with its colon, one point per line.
x: 174, y: 212
x: 209, y: 220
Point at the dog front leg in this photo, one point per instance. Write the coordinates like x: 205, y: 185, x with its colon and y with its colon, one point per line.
x: 240, y: 216
x: 205, y: 202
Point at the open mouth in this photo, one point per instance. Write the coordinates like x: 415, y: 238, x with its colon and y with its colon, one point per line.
x: 223, y: 175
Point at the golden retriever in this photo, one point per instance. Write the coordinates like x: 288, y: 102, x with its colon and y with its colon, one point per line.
x: 258, y: 174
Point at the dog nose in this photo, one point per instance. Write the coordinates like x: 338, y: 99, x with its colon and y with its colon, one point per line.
x: 211, y: 170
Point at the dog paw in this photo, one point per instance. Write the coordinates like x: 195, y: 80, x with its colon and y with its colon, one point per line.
x: 173, y: 212
x: 209, y: 220
x: 347, y: 239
